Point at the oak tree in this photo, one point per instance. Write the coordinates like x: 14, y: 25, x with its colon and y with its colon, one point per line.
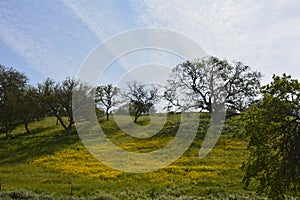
x: 141, y: 98
x: 212, y: 81
x: 105, y: 96
x: 12, y: 87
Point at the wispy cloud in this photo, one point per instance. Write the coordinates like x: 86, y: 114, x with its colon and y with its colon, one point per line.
x: 96, y: 16
x: 101, y: 21
x: 213, y: 24
x: 105, y: 23
x: 45, y: 36
x: 264, y: 34
x: 54, y: 37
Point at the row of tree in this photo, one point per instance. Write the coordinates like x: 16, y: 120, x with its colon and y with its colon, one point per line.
x: 271, y: 122
x: 194, y: 85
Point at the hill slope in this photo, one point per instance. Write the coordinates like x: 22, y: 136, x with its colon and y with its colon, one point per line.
x: 48, y: 161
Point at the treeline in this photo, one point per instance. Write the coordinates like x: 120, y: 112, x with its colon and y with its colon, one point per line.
x: 269, y: 114
x: 200, y: 84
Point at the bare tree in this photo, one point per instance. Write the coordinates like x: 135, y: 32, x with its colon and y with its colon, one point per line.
x: 31, y: 109
x: 106, y: 96
x: 57, y: 99
x: 141, y: 98
x: 212, y: 83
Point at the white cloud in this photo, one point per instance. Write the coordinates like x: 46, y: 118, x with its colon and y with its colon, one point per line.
x: 263, y: 34
x: 104, y: 24
x: 39, y: 54
x: 44, y: 36
x: 249, y: 31
x: 95, y: 16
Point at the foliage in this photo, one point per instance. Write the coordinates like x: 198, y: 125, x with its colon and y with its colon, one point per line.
x: 30, y: 195
x: 210, y: 82
x: 274, y: 132
x: 47, y: 161
x: 24, y: 194
x: 12, y: 88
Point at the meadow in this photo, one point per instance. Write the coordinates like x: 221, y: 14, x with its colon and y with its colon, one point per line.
x: 48, y: 164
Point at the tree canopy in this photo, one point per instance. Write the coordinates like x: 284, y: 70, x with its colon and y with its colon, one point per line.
x: 272, y: 123
x: 57, y: 99
x: 141, y: 98
x: 12, y: 88
x: 30, y: 109
x: 273, y: 127
x: 203, y: 83
x: 106, y: 97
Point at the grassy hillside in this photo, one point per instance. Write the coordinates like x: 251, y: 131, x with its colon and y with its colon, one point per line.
x: 46, y: 161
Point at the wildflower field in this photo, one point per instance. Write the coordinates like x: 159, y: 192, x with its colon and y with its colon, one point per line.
x: 47, y: 164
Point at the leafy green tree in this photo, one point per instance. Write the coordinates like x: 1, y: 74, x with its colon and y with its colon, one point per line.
x: 141, y: 98
x: 12, y: 87
x: 106, y: 96
x: 213, y: 81
x: 272, y: 126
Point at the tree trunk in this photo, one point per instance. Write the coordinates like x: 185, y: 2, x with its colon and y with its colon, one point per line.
x: 56, y: 121
x: 61, y: 122
x: 6, y: 131
x: 218, y: 114
x: 136, y: 117
x: 107, y: 115
x: 26, y: 127
x: 69, y: 130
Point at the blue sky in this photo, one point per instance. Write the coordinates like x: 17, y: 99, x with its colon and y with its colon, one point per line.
x: 52, y: 38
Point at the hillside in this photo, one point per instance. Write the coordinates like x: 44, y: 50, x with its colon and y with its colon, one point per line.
x: 47, y: 162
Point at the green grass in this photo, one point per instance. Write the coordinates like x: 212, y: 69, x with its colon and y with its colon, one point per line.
x: 47, y: 162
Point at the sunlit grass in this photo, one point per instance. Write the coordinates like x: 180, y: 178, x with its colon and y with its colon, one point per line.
x: 78, y: 162
x: 47, y: 160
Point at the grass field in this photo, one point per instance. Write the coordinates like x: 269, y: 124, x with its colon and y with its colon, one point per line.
x: 47, y: 164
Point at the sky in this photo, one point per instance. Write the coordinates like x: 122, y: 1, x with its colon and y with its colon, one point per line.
x: 44, y: 38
